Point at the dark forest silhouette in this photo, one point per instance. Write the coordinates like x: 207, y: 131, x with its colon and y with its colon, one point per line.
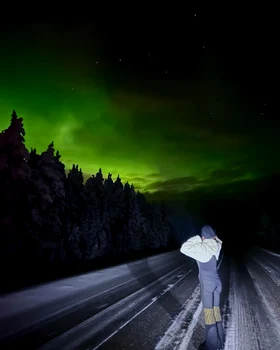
x: 57, y: 222
x: 50, y: 217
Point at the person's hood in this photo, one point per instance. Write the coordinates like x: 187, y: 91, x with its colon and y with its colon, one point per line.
x: 208, y: 232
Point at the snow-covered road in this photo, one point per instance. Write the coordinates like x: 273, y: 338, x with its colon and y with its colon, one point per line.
x: 153, y: 303
x: 254, y: 303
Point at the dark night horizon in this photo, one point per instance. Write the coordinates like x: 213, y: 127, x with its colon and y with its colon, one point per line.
x: 179, y: 121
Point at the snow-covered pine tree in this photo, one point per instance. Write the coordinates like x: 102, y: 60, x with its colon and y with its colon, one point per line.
x: 92, y: 237
x: 75, y: 209
x: 117, y: 218
x: 131, y: 238
x: 15, y: 176
x: 108, y: 213
x: 49, y: 204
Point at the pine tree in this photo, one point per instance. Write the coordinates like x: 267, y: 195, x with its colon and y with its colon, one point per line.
x: 92, y: 237
x: 13, y: 153
x: 131, y: 238
x: 108, y: 216
x: 49, y: 204
x: 15, y: 174
x: 117, y: 218
x: 75, y: 208
x: 34, y: 158
x: 74, y: 188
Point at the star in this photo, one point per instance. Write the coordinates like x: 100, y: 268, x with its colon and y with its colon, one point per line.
x: 195, y: 15
x: 165, y: 72
x: 203, y: 46
x: 120, y: 60
x: 96, y: 62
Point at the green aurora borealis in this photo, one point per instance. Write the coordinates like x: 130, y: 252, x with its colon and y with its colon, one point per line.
x: 163, y: 136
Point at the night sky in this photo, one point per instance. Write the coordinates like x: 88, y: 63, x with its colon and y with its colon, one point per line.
x: 178, y: 106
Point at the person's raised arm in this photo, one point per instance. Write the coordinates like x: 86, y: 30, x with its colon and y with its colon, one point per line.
x: 194, y: 248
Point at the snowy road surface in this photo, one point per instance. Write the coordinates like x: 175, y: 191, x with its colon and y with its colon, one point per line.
x: 153, y: 303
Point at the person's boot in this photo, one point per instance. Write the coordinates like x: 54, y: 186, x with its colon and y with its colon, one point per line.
x: 211, y: 334
x: 220, y: 330
x: 202, y: 346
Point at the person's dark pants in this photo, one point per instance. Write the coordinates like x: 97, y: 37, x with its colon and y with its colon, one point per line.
x: 210, y: 296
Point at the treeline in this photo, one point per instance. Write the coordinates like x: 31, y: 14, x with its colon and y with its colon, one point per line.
x: 268, y: 233
x: 48, y: 216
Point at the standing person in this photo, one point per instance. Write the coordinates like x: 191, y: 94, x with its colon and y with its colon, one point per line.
x: 205, y: 249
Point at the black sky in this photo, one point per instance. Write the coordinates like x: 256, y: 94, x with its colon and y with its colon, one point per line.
x: 170, y: 53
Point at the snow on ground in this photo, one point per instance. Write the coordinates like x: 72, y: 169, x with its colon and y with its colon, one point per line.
x: 179, y: 334
x: 255, y: 313
x: 252, y: 310
x: 267, y: 299
x: 239, y: 335
x: 197, y: 317
x: 92, y: 326
x: 271, y: 253
x: 15, y: 303
x: 271, y: 269
x: 251, y: 313
x: 174, y: 335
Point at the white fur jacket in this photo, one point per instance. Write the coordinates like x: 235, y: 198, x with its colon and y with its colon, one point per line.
x: 202, y: 250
